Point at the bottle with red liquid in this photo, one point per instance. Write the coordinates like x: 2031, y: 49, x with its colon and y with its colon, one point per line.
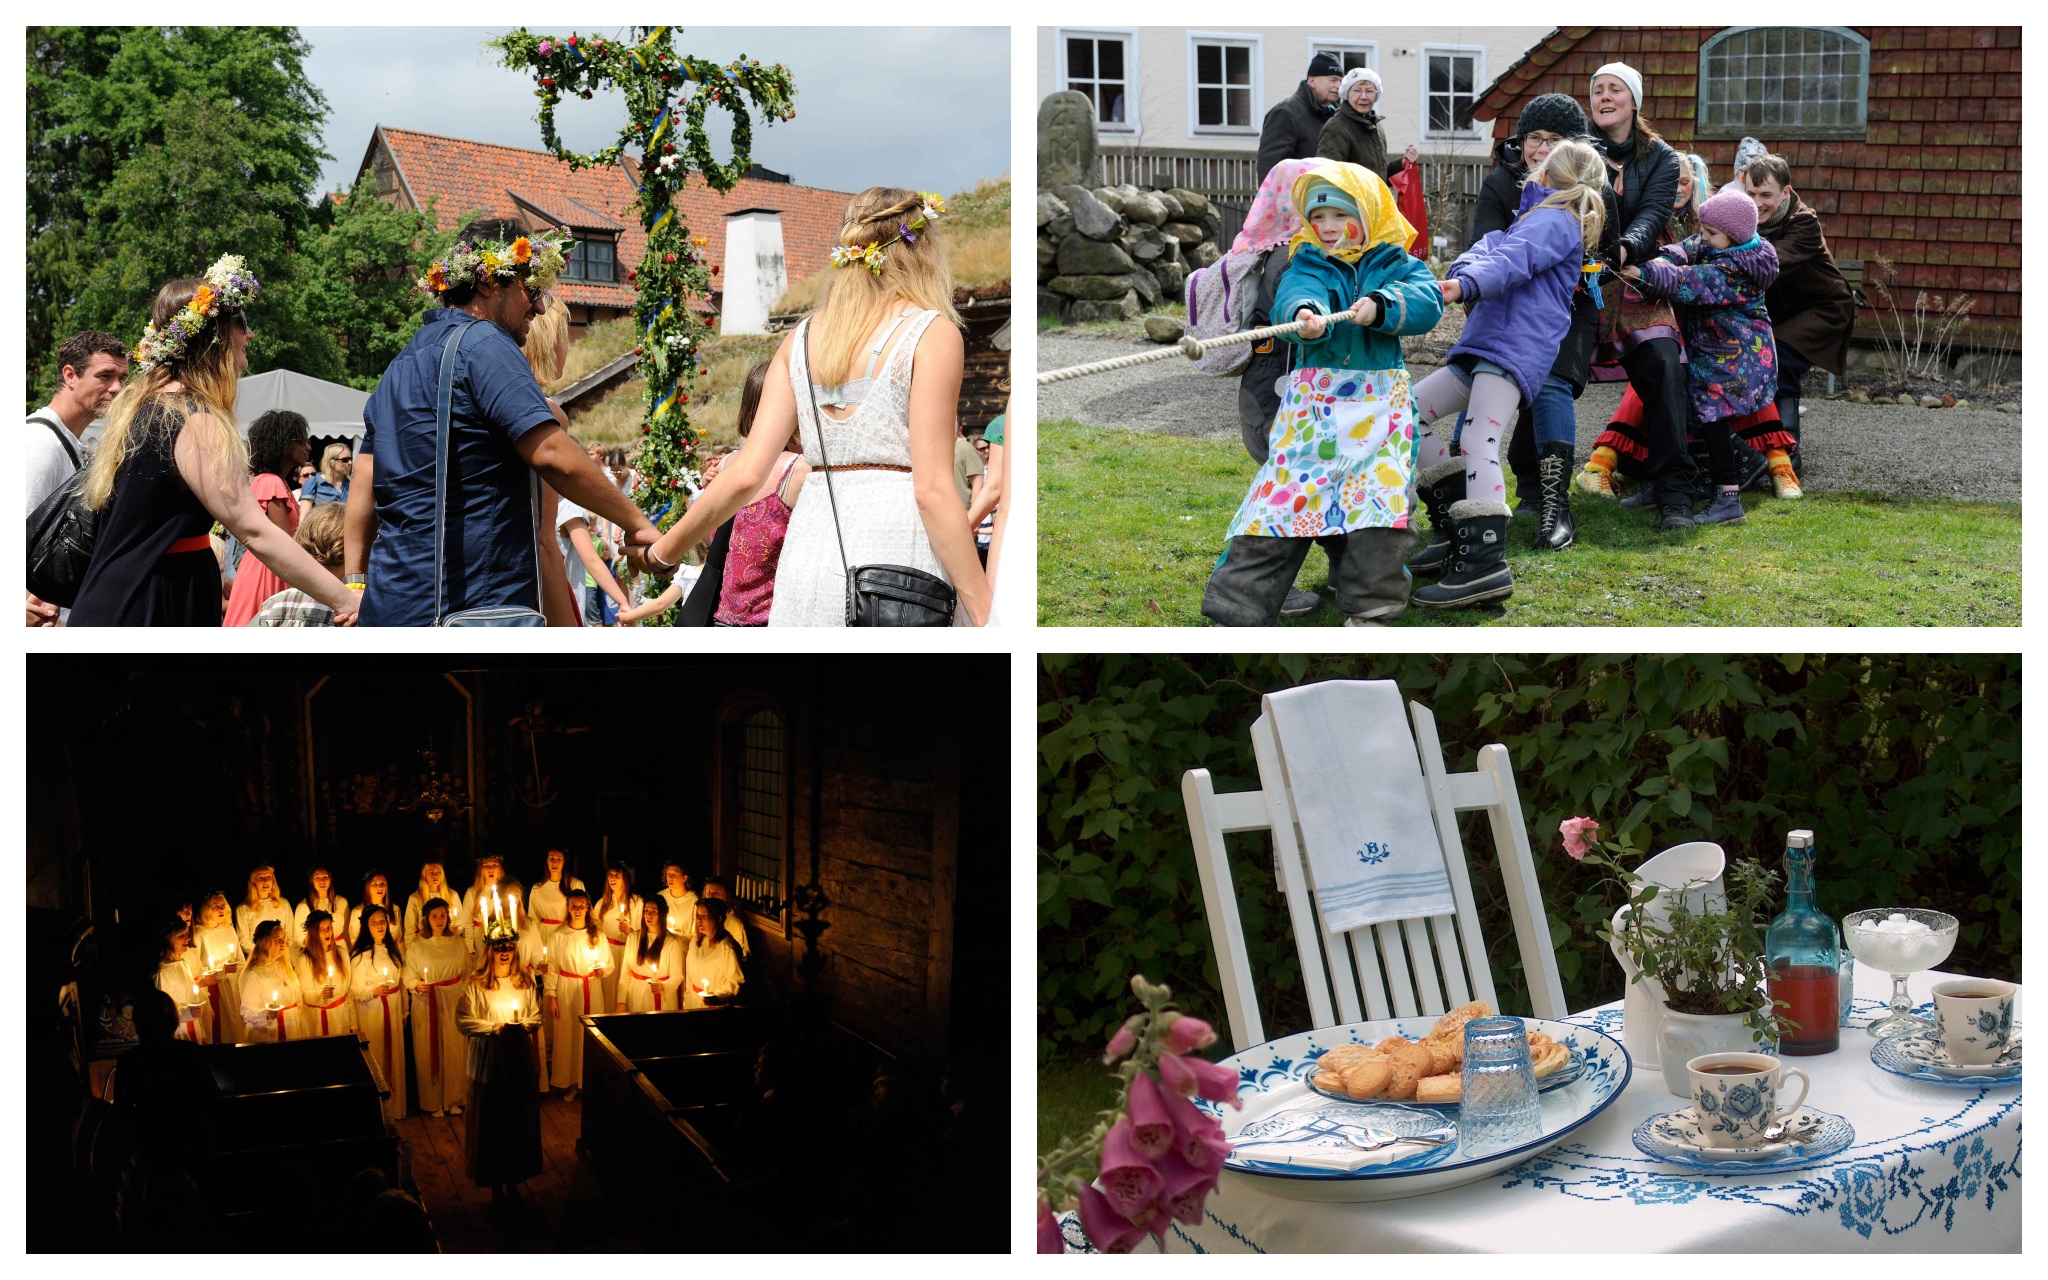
x: 1803, y: 950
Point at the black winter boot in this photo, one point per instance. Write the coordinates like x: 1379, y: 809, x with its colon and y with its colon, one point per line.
x: 1438, y: 487
x: 1674, y: 507
x: 1554, y: 529
x: 1646, y: 496
x: 1479, y: 571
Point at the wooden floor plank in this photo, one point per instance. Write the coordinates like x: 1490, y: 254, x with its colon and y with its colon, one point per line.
x: 541, y: 1217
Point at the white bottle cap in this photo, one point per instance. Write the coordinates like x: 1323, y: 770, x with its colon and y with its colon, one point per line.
x: 1799, y: 840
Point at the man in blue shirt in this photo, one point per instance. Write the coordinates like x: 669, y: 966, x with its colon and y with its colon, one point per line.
x: 504, y: 440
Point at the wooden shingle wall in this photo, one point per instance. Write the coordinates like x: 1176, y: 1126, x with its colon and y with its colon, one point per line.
x: 1933, y: 187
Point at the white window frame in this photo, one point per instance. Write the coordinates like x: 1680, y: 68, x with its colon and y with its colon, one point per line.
x: 1371, y: 48
x: 1858, y: 129
x: 1256, y: 116
x: 1129, y: 36
x: 1479, y: 127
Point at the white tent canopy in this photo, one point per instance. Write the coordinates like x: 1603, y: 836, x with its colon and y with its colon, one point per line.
x: 331, y: 409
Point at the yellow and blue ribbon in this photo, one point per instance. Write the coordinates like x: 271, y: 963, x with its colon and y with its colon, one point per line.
x: 661, y: 124
x: 668, y: 401
x: 663, y: 314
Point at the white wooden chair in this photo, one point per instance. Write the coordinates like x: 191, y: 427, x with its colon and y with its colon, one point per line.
x: 1399, y: 969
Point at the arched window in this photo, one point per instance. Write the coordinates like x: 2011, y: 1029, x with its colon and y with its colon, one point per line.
x: 752, y: 821
x: 1783, y: 82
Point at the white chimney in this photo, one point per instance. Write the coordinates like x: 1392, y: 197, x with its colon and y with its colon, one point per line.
x: 755, y: 275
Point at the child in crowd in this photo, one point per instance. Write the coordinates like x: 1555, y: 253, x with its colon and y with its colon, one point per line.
x: 1812, y: 307
x: 1717, y: 279
x: 1519, y: 283
x: 1341, y: 448
x: 320, y: 533
x: 1762, y: 441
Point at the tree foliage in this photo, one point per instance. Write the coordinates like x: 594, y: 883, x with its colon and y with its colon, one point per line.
x: 360, y: 279
x: 1906, y: 767
x: 153, y: 150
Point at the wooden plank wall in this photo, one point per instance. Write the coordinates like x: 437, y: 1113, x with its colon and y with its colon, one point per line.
x: 1933, y: 186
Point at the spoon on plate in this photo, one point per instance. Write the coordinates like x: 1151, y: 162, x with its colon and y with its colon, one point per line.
x: 1381, y: 1138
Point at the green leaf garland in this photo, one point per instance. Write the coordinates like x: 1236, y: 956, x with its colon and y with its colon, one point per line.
x: 667, y: 95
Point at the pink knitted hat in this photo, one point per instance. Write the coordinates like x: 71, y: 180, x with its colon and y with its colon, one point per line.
x: 1731, y: 212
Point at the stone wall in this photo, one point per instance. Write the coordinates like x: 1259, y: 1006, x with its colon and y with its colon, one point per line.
x: 1117, y: 252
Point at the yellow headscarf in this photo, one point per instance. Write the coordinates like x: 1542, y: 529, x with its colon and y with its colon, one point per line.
x: 1383, y: 221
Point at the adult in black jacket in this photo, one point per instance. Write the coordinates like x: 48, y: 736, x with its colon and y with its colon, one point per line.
x: 1642, y: 337
x: 1295, y: 124
x: 1541, y: 483
x: 1355, y: 134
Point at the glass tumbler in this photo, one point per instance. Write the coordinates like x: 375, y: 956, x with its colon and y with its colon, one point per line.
x: 1497, y: 1108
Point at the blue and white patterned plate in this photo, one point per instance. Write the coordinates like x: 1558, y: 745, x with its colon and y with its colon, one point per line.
x: 1812, y: 1135
x: 1270, y: 1085
x: 1920, y: 1056
x: 1565, y: 1075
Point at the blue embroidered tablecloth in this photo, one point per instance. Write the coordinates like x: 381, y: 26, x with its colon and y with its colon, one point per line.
x: 1933, y: 1169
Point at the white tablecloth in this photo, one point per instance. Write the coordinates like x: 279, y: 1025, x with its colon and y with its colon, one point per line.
x: 1933, y: 1169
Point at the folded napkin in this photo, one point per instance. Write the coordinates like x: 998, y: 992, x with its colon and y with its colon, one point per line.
x: 1359, y: 796
x: 1329, y: 1153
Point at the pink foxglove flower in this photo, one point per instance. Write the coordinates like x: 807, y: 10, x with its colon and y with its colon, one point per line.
x: 1197, y: 1138
x: 1107, y: 1229
x: 1128, y: 1178
x: 1120, y: 1044
x: 1579, y: 833
x: 1050, y: 1238
x: 1186, y: 1188
x: 1189, y: 1034
x: 1151, y: 1123
x: 1199, y: 1077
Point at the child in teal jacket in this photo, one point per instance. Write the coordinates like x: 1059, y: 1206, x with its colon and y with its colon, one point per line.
x: 1340, y: 465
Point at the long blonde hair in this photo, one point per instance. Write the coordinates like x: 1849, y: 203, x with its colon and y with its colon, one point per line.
x: 1576, y: 174
x: 327, y: 459
x: 207, y: 370
x: 546, y: 330
x: 858, y: 300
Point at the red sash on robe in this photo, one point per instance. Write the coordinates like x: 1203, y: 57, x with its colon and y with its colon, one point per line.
x: 278, y: 1016
x: 585, y: 977
x: 391, y: 1033
x: 653, y: 986
x: 323, y: 1008
x: 434, y: 1020
x: 213, y: 1001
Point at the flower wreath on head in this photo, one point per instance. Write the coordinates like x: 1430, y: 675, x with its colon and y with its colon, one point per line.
x: 229, y: 286
x: 539, y: 258
x: 871, y: 255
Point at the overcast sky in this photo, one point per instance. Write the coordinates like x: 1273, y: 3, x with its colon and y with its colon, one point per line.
x: 918, y: 107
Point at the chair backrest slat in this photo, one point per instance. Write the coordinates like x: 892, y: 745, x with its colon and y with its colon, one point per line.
x: 1402, y: 968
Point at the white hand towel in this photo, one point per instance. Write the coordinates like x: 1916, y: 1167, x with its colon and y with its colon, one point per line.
x: 1359, y: 796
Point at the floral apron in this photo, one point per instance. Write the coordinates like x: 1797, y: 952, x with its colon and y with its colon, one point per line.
x: 1342, y: 457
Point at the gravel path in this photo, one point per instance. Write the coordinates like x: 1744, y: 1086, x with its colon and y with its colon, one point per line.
x: 1970, y: 454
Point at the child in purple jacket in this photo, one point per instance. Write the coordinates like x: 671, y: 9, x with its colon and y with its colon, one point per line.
x: 1518, y: 283
x: 1717, y: 281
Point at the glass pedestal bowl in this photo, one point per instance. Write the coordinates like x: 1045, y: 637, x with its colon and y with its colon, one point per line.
x: 1901, y: 955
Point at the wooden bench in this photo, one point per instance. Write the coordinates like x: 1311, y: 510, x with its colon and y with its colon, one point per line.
x: 662, y: 1093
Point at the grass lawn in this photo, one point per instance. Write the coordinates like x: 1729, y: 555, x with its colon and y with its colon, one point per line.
x: 1131, y: 522
x: 1070, y: 1092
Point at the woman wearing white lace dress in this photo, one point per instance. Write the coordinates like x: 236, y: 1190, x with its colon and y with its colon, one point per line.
x: 886, y: 382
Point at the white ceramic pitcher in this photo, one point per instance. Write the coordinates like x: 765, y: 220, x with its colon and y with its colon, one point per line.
x: 1690, y: 873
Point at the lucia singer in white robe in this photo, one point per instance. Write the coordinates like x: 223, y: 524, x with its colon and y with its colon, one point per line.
x: 325, y: 1007
x: 195, y: 1015
x: 649, y: 985
x: 616, y: 922
x: 377, y: 988
x: 270, y: 1002
x: 435, y: 970
x: 216, y: 947
x: 575, y: 986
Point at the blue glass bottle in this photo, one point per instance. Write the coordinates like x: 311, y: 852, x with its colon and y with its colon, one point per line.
x: 1803, y: 952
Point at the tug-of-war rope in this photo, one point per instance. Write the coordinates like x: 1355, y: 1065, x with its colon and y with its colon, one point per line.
x: 1192, y: 348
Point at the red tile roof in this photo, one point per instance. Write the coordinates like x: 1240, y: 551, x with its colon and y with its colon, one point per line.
x: 482, y: 179
x: 1933, y: 186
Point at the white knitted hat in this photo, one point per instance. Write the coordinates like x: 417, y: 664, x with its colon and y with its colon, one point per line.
x: 1353, y: 76
x: 1625, y: 73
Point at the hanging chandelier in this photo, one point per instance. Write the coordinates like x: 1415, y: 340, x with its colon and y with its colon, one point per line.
x: 439, y: 795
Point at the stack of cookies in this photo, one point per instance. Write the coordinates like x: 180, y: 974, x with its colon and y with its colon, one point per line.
x: 1398, y: 1069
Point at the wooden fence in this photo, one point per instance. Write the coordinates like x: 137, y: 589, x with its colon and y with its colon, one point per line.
x: 1450, y: 183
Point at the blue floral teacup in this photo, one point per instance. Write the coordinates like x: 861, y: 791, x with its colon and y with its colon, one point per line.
x: 1735, y: 1096
x: 1973, y: 1019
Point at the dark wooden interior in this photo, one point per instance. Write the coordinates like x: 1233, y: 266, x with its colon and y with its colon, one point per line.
x: 155, y: 777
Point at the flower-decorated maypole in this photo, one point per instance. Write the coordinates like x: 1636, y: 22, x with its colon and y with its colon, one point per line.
x: 667, y: 95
